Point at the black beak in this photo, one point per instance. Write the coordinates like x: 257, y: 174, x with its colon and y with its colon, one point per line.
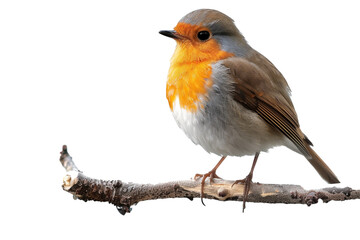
x: 171, y: 34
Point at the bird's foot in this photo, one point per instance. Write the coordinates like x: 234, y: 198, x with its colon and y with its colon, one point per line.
x: 247, y: 184
x: 211, y: 175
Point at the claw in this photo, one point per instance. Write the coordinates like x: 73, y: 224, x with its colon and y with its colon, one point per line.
x: 246, y: 189
x: 247, y: 181
x: 211, y: 175
x: 238, y: 181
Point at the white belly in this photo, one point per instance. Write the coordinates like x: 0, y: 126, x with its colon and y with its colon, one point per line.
x: 226, y: 132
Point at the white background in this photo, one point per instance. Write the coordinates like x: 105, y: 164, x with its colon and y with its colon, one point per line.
x: 92, y: 75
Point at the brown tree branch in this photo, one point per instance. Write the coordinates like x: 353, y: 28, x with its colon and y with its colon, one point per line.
x: 123, y: 195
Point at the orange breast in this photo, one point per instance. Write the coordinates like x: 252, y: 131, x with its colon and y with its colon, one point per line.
x: 190, y: 73
x: 188, y: 82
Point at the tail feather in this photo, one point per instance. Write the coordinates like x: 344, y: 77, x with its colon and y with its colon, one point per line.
x: 321, y: 167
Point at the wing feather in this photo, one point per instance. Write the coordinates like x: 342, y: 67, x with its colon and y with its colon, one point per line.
x: 255, y: 90
x: 252, y: 91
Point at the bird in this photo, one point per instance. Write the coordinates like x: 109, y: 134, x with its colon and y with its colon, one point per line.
x: 230, y: 99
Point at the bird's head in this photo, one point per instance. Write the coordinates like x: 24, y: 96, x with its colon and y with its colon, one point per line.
x: 206, y: 34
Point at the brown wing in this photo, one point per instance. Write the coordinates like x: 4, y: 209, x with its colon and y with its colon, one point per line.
x: 271, y: 71
x: 255, y: 90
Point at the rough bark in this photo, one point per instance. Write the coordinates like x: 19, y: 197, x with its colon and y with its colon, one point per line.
x: 124, y: 195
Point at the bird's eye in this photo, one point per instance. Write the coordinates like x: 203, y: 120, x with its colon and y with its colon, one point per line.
x: 203, y: 35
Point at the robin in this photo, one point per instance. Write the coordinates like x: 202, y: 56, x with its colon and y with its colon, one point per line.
x: 229, y: 98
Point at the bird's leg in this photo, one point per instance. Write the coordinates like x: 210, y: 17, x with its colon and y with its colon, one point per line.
x: 247, y: 181
x: 211, y: 175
